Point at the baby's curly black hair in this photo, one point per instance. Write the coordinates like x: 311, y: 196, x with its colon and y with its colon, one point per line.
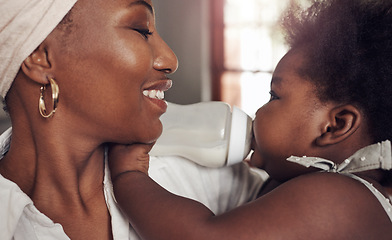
x: 348, y: 51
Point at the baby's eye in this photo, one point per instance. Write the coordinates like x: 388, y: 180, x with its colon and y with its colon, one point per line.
x: 273, y: 96
x: 146, y: 33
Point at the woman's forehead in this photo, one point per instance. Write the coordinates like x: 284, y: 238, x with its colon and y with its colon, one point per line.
x: 147, y: 3
x: 101, y: 11
x: 120, y: 3
x: 143, y: 3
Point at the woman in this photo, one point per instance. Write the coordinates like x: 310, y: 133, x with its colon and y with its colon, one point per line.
x: 80, y: 81
x: 109, y: 68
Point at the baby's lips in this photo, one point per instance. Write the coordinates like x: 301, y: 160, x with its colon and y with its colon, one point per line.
x: 253, y: 143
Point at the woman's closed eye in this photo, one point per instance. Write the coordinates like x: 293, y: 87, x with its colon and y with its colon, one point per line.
x: 273, y: 96
x: 146, y: 33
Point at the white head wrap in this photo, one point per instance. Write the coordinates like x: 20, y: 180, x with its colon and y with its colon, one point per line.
x: 24, y: 25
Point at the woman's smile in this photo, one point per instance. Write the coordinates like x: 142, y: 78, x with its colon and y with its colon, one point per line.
x: 155, y: 93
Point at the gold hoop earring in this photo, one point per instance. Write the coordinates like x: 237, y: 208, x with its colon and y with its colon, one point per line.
x: 55, y: 99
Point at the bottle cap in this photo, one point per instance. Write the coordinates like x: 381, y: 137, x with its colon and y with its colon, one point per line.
x: 238, y: 137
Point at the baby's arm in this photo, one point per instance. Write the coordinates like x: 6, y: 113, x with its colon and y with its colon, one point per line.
x: 304, y: 207
x: 151, y: 209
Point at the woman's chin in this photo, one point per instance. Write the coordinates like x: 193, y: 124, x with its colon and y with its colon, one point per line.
x: 151, y: 137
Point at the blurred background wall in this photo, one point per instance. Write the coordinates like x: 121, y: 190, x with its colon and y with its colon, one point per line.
x: 184, y: 25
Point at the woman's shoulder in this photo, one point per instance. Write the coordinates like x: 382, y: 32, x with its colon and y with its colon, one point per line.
x: 329, y: 204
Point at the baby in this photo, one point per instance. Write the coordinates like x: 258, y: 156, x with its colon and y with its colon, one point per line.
x: 324, y: 136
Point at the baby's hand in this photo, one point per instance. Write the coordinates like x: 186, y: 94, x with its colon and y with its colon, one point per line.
x: 126, y: 158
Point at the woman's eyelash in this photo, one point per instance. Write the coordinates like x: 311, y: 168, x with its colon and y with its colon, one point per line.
x: 144, y: 32
x: 273, y: 96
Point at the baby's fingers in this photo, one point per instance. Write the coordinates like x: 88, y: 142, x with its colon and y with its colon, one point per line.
x: 125, y: 158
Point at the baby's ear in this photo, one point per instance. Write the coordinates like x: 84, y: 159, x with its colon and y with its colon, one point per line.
x: 343, y: 122
x: 36, y: 65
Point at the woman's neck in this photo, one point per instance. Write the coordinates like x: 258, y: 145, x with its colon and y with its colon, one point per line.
x: 54, y: 167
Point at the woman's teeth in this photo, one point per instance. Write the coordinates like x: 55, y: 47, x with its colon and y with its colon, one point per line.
x: 157, y: 94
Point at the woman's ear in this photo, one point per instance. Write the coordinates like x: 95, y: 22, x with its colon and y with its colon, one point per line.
x: 343, y: 122
x: 36, y: 65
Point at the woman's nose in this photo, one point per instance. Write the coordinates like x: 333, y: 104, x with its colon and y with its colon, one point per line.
x: 165, y: 59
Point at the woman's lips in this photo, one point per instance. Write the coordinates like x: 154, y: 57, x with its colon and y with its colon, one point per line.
x: 162, y: 85
x: 156, y: 93
x: 161, y: 104
x: 157, y: 90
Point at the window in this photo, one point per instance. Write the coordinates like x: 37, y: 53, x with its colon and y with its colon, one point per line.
x: 247, y: 44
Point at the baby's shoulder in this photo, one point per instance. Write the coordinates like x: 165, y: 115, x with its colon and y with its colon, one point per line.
x: 323, y: 190
x: 331, y: 185
x: 336, y: 201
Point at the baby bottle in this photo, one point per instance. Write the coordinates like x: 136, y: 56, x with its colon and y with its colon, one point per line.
x: 207, y: 133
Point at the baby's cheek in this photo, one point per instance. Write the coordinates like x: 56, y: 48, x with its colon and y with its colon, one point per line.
x: 255, y: 159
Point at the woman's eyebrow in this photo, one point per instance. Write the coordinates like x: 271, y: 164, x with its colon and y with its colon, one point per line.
x: 276, y: 80
x: 141, y: 2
